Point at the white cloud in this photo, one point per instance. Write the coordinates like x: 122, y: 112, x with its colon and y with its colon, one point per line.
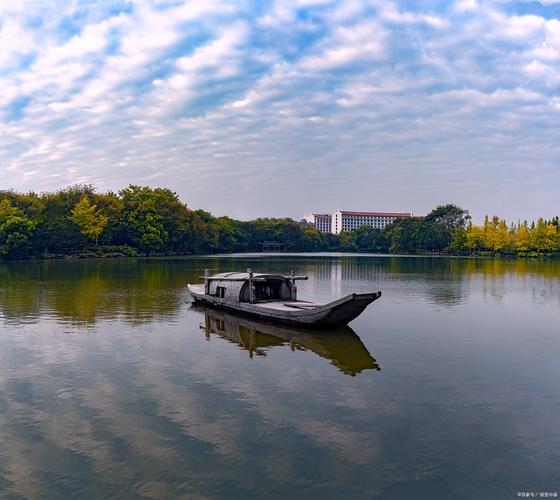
x: 332, y: 93
x: 519, y: 28
x: 348, y: 44
x: 14, y: 42
x: 390, y: 13
x: 465, y: 5
x: 544, y: 73
x: 217, y: 60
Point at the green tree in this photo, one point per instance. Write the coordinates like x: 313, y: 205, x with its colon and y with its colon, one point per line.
x: 459, y: 241
x: 15, y: 231
x: 347, y: 241
x: 153, y: 236
x: 150, y: 218
x: 90, y: 220
x: 441, y: 224
x: 370, y: 239
x: 404, y: 235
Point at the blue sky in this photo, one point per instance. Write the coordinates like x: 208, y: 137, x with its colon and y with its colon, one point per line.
x: 255, y: 108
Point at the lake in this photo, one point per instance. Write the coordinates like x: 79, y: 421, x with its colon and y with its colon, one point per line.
x: 113, y: 385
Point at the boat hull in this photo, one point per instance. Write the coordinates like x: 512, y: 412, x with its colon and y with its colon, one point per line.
x: 338, y: 312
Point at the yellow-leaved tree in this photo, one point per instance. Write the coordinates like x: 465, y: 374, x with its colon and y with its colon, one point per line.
x: 497, y: 236
x: 523, y: 238
x: 474, y: 237
x: 544, y: 237
x: 90, y: 220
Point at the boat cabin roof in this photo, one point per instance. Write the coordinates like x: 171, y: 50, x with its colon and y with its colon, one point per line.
x: 234, y: 286
x: 245, y: 276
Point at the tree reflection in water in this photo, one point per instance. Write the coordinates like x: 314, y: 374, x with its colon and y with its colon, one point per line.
x: 82, y: 292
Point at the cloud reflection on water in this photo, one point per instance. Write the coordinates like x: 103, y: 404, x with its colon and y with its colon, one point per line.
x: 109, y: 387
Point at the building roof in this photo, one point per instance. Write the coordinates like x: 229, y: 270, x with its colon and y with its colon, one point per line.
x: 377, y: 214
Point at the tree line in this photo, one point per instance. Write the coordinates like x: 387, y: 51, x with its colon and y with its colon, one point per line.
x: 147, y: 221
x: 449, y: 229
x: 134, y: 220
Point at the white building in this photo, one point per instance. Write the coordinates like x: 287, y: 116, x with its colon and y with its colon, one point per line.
x: 321, y: 221
x: 343, y: 220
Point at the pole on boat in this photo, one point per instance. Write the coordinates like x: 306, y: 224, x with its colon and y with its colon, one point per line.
x: 294, y: 287
x: 251, y: 291
x: 207, y: 282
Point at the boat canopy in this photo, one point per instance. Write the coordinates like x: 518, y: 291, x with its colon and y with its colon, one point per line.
x: 235, y: 287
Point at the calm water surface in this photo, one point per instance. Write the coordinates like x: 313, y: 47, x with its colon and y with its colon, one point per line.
x: 112, y: 385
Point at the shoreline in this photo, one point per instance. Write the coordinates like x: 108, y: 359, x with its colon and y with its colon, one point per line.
x: 121, y: 255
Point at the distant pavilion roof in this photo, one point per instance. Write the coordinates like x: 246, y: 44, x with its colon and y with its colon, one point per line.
x: 268, y: 242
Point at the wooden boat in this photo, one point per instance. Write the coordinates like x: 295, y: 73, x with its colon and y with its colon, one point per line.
x: 273, y: 297
x: 341, y: 346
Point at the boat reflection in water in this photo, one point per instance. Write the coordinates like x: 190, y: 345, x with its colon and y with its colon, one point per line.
x: 341, y: 346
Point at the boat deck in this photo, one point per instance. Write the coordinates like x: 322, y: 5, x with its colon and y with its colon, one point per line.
x: 279, y: 305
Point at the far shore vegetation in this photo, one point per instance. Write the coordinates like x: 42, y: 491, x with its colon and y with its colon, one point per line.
x: 153, y: 221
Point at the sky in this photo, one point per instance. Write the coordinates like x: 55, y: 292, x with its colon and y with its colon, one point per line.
x: 277, y: 108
